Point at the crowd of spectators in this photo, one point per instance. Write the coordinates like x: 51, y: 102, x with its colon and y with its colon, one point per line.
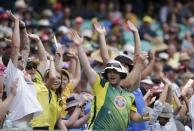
x: 99, y: 65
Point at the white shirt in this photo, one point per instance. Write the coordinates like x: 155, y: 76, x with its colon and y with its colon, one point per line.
x: 25, y: 101
x: 169, y: 126
x: 191, y: 111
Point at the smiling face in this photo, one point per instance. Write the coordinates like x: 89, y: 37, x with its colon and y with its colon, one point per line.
x: 65, y: 80
x: 113, y: 77
x: 57, y: 82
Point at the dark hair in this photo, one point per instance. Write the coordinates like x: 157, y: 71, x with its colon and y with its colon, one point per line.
x: 104, y: 74
x: 59, y: 90
x: 5, y: 59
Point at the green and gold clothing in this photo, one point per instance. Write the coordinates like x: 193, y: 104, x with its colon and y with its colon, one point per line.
x: 111, y: 107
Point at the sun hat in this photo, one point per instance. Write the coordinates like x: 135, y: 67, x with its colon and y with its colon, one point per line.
x: 66, y: 73
x: 72, y: 102
x: 125, y: 57
x: 184, y: 57
x: 115, y: 65
x: 147, y: 80
x: 167, y: 111
x: 97, y: 57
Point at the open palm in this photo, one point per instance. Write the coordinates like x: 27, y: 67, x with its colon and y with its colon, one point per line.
x: 131, y: 26
x: 75, y: 37
x: 33, y: 36
x: 100, y: 29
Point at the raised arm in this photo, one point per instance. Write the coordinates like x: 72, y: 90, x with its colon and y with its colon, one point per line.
x: 76, y: 77
x: 137, y: 40
x: 91, y: 74
x: 134, y: 77
x: 25, y: 43
x: 150, y: 66
x: 103, y: 48
x: 58, y: 59
x: 178, y: 103
x: 15, y: 46
x: 41, y: 52
x: 52, y: 73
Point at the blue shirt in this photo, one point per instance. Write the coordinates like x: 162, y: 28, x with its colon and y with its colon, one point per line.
x: 140, y: 104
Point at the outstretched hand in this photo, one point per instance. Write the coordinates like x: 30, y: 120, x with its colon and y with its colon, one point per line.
x: 34, y: 37
x: 100, y: 29
x: 76, y: 38
x: 12, y: 16
x: 131, y: 26
x: 141, y: 58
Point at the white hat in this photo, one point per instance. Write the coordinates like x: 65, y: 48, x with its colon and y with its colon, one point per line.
x: 129, y: 48
x: 20, y: 4
x: 163, y: 55
x: 167, y: 111
x: 115, y: 65
x: 87, y: 33
x: 147, y: 80
x: 44, y: 22
x: 63, y: 29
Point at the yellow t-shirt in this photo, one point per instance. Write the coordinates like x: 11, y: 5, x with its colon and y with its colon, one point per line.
x: 54, y: 110
x: 66, y: 93
x: 42, y: 96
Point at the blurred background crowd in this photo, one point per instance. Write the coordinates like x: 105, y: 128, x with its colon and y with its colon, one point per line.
x: 166, y: 30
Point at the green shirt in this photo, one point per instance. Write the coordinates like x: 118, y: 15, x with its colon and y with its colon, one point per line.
x: 111, y: 107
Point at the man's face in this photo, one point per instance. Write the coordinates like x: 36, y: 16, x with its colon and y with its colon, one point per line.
x: 163, y: 121
x: 31, y: 69
x: 113, y: 77
x: 20, y: 63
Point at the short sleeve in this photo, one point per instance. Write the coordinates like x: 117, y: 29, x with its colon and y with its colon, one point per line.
x: 132, y: 107
x: 96, y: 86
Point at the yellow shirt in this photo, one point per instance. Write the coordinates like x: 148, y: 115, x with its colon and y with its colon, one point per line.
x: 42, y: 96
x: 54, y: 110
x: 66, y: 93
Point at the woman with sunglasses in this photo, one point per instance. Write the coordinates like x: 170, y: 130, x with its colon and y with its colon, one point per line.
x: 112, y: 105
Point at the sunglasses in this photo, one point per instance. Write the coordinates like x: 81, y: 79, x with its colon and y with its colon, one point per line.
x: 117, y: 65
x: 30, y: 66
x: 19, y: 58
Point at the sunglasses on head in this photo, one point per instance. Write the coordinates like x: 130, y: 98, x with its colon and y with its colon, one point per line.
x: 117, y: 65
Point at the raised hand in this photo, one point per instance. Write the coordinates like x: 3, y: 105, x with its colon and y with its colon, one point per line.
x: 152, y: 55
x: 100, y: 29
x: 13, y: 87
x: 131, y: 26
x: 141, y: 58
x: 76, y: 38
x: 12, y: 16
x: 34, y: 37
x: 22, y: 24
